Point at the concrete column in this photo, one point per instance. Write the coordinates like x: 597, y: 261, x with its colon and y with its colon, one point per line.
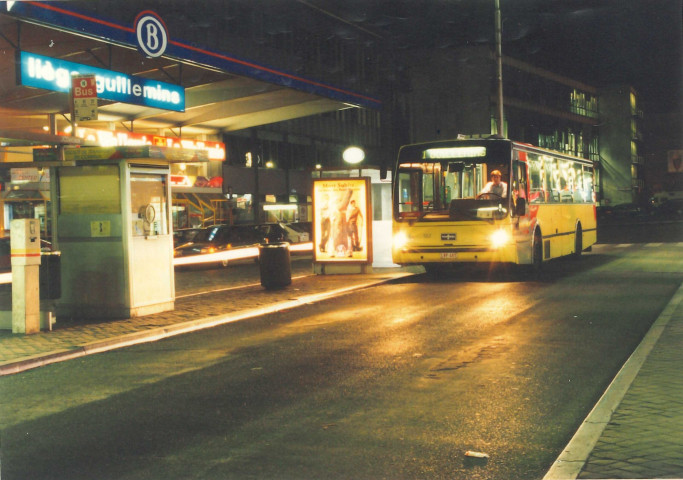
x: 25, y: 299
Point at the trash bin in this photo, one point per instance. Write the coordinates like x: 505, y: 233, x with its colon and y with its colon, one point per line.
x: 274, y: 261
x: 49, y: 275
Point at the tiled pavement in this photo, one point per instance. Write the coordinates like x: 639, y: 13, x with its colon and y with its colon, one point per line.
x: 642, y: 434
x: 636, y: 429
x: 72, y: 338
x: 644, y: 438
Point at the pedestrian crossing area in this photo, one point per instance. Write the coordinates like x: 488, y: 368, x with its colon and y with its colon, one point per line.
x: 642, y: 245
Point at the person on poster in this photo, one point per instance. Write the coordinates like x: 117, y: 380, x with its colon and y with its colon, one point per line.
x: 325, y: 223
x: 354, y: 222
x: 340, y: 236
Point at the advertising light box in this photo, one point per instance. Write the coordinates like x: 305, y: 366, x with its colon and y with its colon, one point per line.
x: 54, y: 74
x: 341, y: 220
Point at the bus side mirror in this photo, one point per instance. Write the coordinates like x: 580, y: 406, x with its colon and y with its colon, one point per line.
x: 520, y: 207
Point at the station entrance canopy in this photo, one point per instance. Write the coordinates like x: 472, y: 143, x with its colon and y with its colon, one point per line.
x: 219, y: 93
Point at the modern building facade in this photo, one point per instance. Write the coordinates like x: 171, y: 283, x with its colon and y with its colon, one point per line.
x: 622, y: 160
x: 453, y: 93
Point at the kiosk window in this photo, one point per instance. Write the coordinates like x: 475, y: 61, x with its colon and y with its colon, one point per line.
x: 148, y: 204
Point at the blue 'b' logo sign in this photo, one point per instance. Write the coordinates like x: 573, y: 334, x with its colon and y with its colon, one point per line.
x: 151, y: 33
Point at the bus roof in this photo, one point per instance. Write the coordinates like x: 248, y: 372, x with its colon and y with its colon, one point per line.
x: 499, y: 142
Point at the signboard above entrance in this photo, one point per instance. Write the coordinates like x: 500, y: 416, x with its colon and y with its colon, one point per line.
x: 116, y: 153
x: 55, y: 74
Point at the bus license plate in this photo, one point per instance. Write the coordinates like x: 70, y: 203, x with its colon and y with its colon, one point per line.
x: 447, y: 255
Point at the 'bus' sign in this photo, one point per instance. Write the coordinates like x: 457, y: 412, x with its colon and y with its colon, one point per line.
x: 84, y: 97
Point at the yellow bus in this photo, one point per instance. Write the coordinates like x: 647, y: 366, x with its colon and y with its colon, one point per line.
x: 448, y: 208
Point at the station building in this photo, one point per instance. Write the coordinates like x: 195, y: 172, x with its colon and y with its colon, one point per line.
x: 296, y: 107
x: 178, y: 134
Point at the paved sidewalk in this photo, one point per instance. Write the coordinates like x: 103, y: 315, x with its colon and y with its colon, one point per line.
x: 71, y: 339
x: 636, y: 429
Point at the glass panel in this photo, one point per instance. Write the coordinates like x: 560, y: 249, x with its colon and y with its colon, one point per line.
x: 536, y: 193
x: 148, y: 204
x: 428, y: 191
x: 462, y: 180
x: 408, y: 191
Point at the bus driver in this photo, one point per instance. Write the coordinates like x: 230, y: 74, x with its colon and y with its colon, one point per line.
x: 495, y: 186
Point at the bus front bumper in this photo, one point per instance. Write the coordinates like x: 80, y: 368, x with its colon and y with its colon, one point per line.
x: 463, y: 254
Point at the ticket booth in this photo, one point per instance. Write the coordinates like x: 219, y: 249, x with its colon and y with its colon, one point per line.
x: 113, y: 228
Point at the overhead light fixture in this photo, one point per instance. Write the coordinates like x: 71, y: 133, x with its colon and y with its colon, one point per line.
x: 353, y: 155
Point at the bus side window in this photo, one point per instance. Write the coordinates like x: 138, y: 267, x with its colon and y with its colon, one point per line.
x: 536, y: 191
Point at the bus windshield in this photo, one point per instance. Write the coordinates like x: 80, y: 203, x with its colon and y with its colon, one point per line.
x: 463, y: 182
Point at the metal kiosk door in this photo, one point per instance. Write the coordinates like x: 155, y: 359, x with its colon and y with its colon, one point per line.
x: 150, y: 243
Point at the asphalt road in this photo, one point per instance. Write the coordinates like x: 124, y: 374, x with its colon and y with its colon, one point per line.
x: 393, y: 382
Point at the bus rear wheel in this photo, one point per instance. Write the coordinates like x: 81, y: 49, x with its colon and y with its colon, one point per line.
x: 536, y: 257
x: 578, y: 242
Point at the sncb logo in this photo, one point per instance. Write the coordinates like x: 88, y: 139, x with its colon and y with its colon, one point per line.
x: 151, y: 34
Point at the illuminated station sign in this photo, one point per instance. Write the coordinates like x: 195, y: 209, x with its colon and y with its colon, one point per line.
x: 55, y: 74
x: 108, y: 138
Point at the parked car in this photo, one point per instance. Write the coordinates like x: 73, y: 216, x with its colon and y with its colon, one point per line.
x: 670, y: 208
x: 184, y: 235
x: 621, y: 211
x: 303, y: 227
x: 282, y: 232
x: 220, y: 244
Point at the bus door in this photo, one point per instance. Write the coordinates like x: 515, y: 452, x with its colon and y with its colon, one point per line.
x: 520, y: 189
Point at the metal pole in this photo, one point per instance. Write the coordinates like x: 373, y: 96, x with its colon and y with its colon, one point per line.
x: 499, y: 67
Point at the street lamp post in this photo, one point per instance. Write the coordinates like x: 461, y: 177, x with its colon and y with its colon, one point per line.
x: 499, y: 66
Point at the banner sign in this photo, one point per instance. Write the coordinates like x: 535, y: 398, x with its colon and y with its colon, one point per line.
x: 55, y: 74
x: 109, y: 138
x: 341, y: 220
x: 117, y: 153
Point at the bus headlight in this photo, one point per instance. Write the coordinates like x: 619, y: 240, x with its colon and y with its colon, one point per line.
x: 400, y: 240
x: 500, y: 238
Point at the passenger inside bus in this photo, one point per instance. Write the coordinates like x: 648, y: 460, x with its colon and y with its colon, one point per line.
x: 495, y: 187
